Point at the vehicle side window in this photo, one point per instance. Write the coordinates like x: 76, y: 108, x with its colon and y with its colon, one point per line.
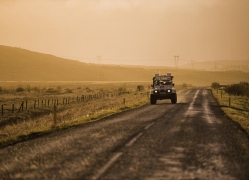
x: 157, y: 83
x: 168, y: 82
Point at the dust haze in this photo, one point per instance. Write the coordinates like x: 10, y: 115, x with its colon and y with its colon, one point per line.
x: 133, y: 32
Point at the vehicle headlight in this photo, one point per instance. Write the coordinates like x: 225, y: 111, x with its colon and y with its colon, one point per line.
x: 168, y: 90
x: 155, y: 91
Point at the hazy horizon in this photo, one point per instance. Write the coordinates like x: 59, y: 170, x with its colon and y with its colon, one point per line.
x: 129, y: 32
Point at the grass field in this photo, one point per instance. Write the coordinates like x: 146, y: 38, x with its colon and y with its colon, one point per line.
x: 237, y: 109
x: 100, y: 100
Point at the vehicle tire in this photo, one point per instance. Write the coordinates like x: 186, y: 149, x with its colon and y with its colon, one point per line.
x: 152, y: 99
x: 174, y: 99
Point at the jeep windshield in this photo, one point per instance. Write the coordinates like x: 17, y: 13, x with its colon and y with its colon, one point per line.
x: 165, y: 83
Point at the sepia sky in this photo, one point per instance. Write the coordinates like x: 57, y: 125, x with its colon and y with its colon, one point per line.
x: 144, y: 32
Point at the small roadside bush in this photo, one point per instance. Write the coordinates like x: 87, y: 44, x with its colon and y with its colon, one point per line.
x: 1, y: 89
x: 215, y: 85
x: 69, y: 90
x: 51, y: 90
x: 140, y: 88
x: 122, y: 89
x: 28, y: 88
x: 20, y: 89
x: 59, y: 88
x: 184, y: 86
x: 36, y: 89
x: 88, y: 89
x: 240, y: 89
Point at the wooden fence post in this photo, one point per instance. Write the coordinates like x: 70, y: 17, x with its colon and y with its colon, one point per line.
x: 55, y: 115
x: 2, y: 109
x: 124, y: 101
x: 21, y: 106
x: 26, y: 104
x: 34, y: 104
x: 221, y: 94
x: 13, y: 108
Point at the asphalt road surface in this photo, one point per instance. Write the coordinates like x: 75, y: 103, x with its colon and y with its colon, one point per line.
x: 192, y: 139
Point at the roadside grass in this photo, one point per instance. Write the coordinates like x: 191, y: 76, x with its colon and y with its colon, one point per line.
x: 71, y: 115
x: 238, y: 110
x: 37, y: 122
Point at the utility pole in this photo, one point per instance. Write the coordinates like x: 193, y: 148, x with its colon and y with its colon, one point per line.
x: 192, y: 64
x: 100, y: 72
x: 246, y: 79
x: 99, y: 59
x: 12, y: 76
x: 176, y: 58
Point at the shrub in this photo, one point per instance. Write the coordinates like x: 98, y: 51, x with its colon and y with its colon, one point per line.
x: 36, y: 89
x: 140, y: 88
x: 241, y: 89
x: 122, y: 89
x: 28, y: 88
x: 1, y: 89
x: 69, y: 90
x: 184, y: 86
x: 19, y: 89
x: 51, y: 90
x: 215, y: 85
x: 59, y: 88
x: 88, y: 89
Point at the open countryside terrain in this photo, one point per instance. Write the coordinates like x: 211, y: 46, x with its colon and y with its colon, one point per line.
x: 104, y: 128
x: 192, y: 139
x: 29, y: 110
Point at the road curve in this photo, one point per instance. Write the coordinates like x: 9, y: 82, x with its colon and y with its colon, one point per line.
x: 192, y: 139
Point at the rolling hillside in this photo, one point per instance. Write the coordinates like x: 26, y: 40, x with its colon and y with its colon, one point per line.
x: 23, y: 65
x: 221, y: 65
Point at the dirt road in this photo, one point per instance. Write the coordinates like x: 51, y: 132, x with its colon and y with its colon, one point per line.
x: 192, y: 139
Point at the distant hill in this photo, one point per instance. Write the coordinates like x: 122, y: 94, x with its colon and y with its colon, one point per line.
x: 18, y: 64
x: 221, y: 65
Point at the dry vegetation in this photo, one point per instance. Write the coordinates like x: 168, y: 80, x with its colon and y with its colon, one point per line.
x: 99, y: 100
x: 27, y: 107
x: 238, y: 110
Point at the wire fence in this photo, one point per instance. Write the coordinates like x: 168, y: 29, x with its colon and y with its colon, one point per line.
x: 20, y: 110
x: 43, y: 103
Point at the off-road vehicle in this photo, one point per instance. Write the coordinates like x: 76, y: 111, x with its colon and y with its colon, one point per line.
x: 163, y: 88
